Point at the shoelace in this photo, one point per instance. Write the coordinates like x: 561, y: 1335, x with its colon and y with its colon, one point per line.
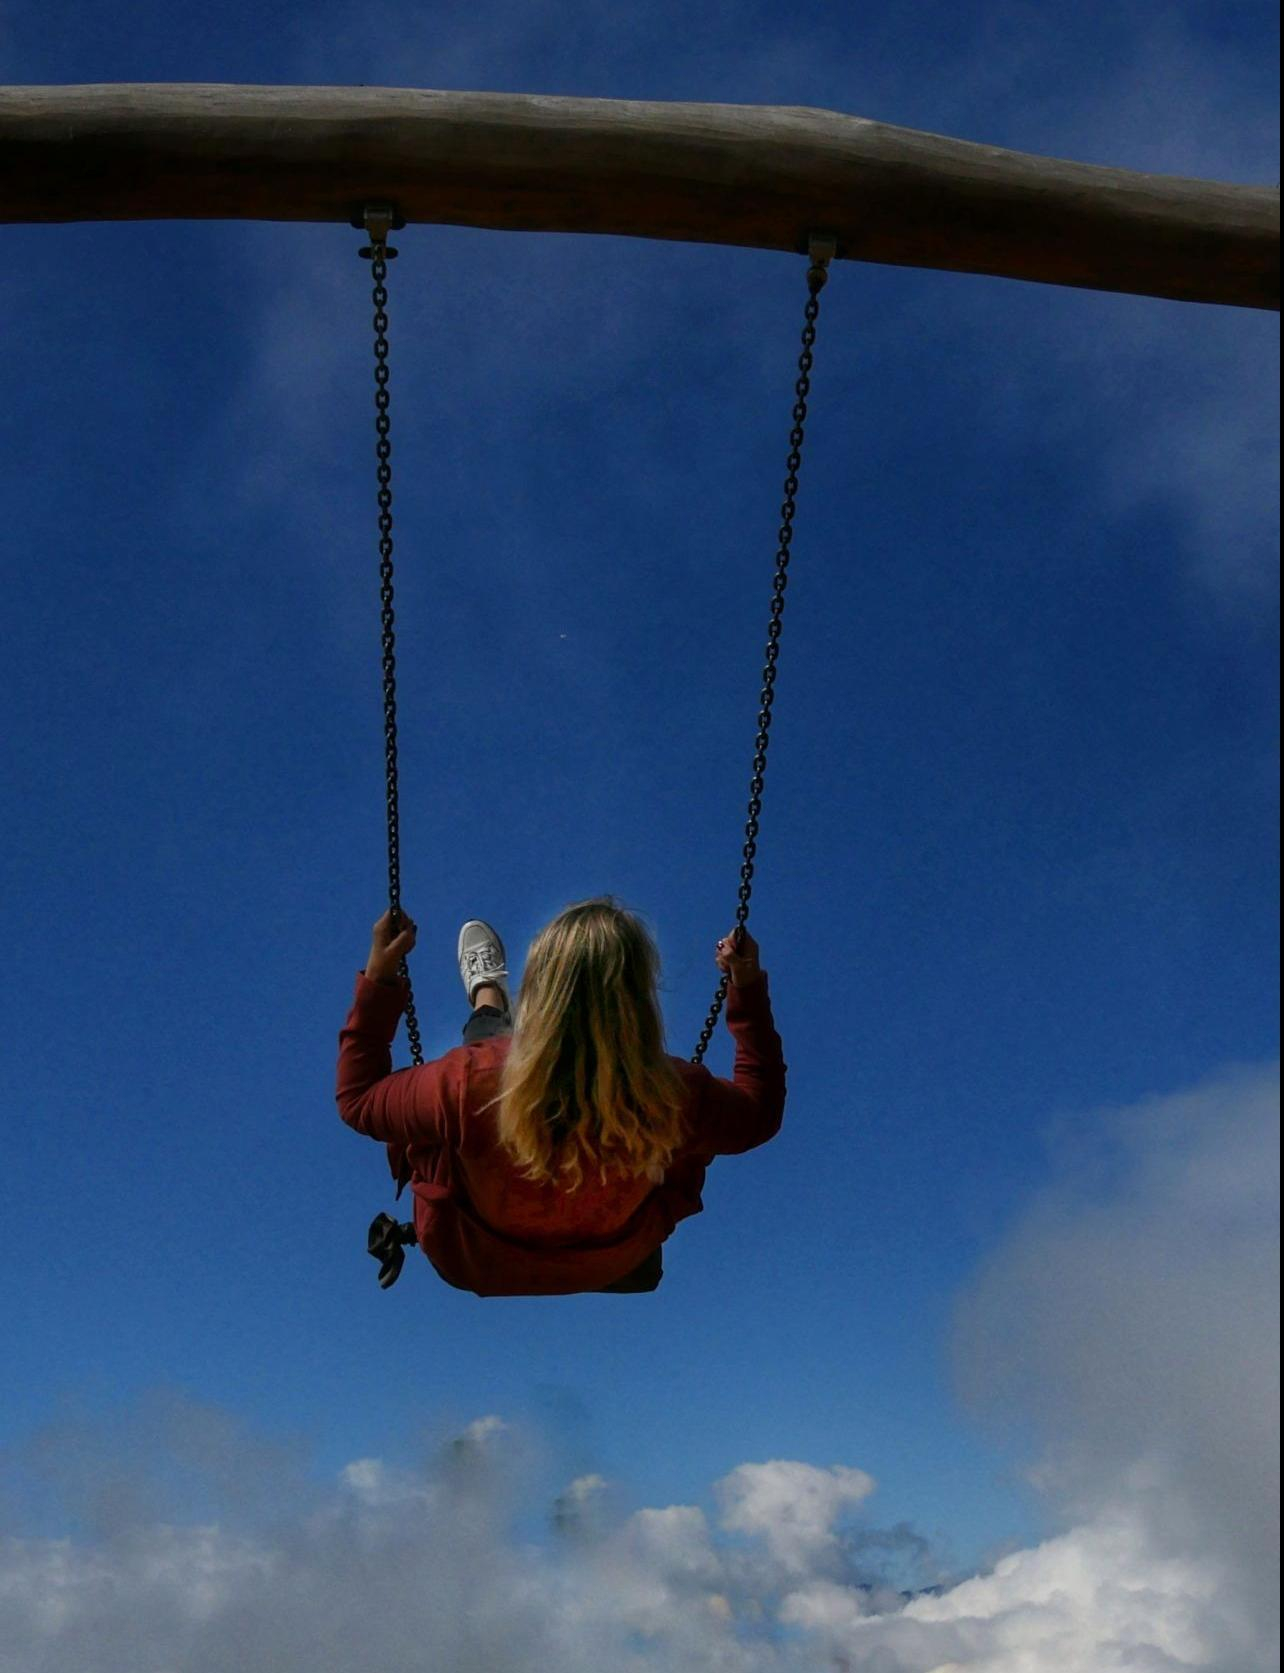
x: 484, y: 961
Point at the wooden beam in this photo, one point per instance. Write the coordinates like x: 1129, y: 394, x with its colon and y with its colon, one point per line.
x: 749, y: 175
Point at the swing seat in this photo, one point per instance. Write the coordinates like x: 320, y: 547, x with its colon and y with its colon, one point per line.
x: 387, y: 1239
x: 644, y: 1278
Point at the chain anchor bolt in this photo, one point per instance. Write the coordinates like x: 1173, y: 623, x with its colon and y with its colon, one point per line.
x: 378, y: 219
x: 822, y: 247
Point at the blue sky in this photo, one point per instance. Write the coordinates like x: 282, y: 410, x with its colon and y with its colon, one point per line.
x: 1017, y: 868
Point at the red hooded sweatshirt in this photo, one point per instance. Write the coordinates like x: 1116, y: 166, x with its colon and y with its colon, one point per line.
x: 482, y: 1225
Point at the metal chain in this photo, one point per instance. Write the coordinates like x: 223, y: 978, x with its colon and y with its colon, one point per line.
x: 377, y: 253
x: 817, y: 273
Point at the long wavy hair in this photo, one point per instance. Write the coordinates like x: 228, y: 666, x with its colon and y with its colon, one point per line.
x: 587, y: 1081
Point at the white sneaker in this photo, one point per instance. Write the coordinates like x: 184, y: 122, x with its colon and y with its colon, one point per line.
x: 482, y: 959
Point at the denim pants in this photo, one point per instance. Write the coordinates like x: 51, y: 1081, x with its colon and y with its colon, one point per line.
x: 486, y: 1023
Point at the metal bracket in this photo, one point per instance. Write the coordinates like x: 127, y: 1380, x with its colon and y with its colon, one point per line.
x: 822, y: 247
x: 379, y: 219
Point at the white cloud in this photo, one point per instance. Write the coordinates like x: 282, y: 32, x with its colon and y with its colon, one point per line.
x: 1094, y: 1599
x: 794, y: 1507
x: 1132, y: 1317
x: 1204, y: 460
x: 674, y: 1543
x: 824, y: 1606
x: 485, y: 1431
x: 329, y: 1594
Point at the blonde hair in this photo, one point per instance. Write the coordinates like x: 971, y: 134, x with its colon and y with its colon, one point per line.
x: 587, y: 1079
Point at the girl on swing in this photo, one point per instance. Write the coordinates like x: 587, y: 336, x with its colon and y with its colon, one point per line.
x: 556, y: 1149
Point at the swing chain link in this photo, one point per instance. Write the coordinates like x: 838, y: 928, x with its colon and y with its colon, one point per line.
x: 822, y: 248
x: 377, y: 253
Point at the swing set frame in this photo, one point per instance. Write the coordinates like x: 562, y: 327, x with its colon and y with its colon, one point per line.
x: 759, y: 176
x: 751, y: 176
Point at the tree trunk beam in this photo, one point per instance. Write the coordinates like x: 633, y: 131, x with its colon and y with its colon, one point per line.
x: 750, y: 175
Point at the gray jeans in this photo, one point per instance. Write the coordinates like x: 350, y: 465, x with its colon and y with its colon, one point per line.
x: 485, y: 1023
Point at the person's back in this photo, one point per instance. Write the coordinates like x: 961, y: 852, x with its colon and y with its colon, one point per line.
x: 557, y: 1148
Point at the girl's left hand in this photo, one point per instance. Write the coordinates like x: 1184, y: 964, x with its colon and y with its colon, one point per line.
x: 388, y: 949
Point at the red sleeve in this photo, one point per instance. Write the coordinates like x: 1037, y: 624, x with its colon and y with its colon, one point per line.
x: 736, y: 1115
x: 410, y: 1106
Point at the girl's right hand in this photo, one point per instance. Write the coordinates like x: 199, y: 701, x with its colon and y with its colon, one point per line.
x: 742, y: 966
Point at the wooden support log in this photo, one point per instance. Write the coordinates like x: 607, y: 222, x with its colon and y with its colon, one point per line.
x: 749, y: 175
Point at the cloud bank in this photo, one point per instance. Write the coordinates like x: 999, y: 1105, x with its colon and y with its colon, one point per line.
x: 1128, y: 1322
x: 421, y: 1570
x: 1133, y: 1319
